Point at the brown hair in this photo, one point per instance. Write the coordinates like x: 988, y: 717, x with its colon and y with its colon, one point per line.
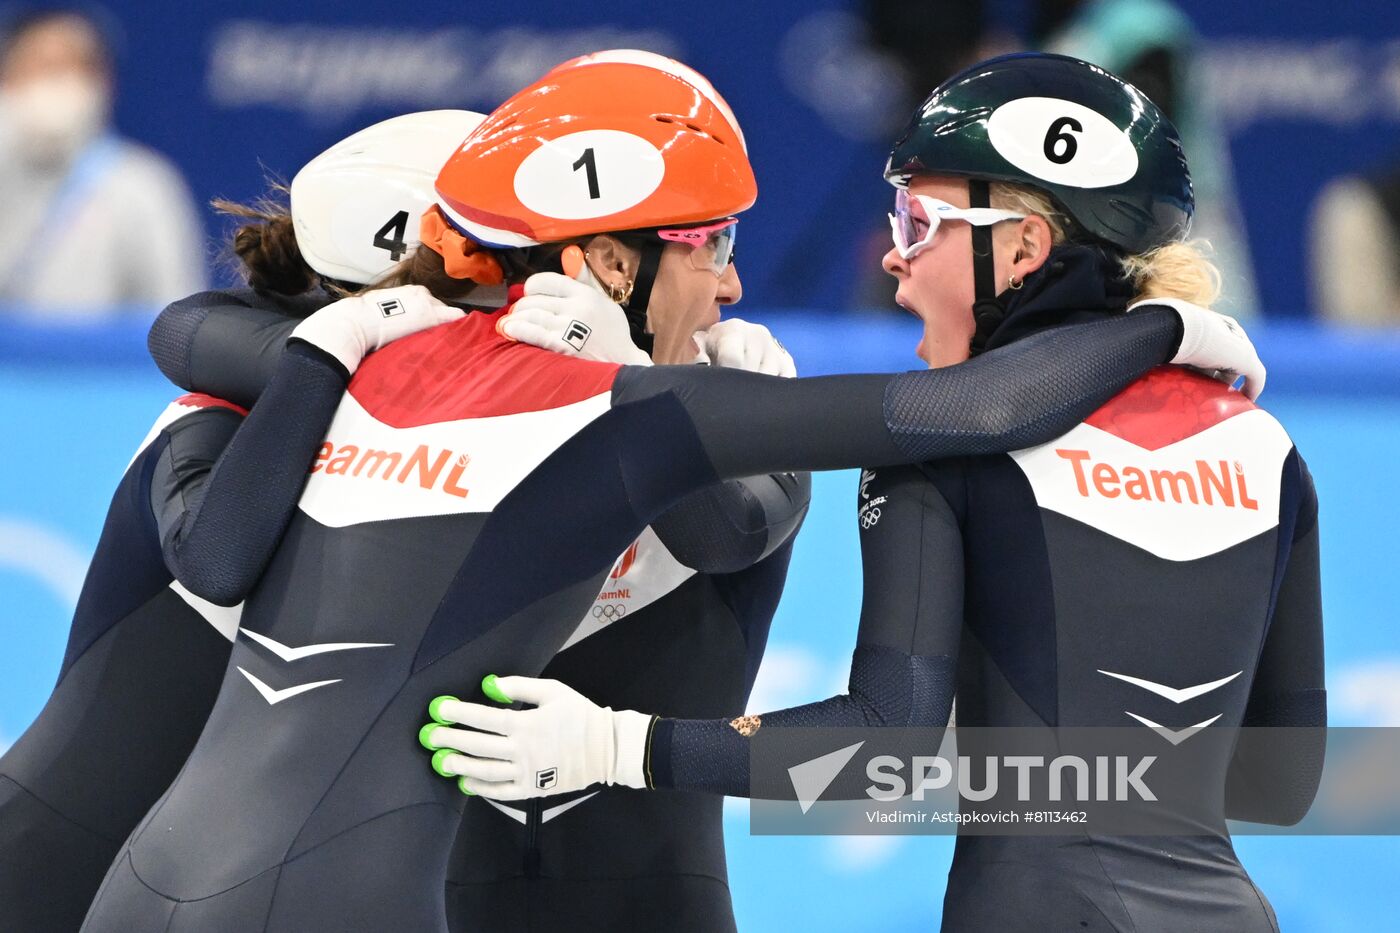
x: 425, y: 267
x: 1174, y: 270
x: 266, y: 247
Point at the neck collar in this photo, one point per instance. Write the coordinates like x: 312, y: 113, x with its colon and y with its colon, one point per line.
x: 1079, y: 282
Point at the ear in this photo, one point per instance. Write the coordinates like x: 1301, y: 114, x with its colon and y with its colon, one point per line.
x: 611, y: 261
x: 1032, y: 242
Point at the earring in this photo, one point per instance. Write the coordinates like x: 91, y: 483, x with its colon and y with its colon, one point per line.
x: 1013, y: 284
x: 620, y: 293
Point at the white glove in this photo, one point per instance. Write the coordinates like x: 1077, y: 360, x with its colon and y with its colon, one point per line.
x: 573, y: 318
x: 1215, y: 344
x: 565, y: 743
x: 352, y: 328
x: 736, y: 344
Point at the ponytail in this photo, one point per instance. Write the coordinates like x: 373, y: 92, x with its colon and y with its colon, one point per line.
x: 1176, y: 270
x: 266, y: 247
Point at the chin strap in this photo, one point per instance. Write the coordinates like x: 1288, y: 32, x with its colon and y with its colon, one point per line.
x: 987, y: 310
x: 640, y: 299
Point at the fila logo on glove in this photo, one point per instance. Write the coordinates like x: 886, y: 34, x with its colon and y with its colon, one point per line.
x: 576, y: 334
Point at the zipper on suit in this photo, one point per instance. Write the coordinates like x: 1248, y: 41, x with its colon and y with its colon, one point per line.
x: 533, y: 811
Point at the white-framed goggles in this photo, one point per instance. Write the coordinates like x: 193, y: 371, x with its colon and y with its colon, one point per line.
x: 914, y: 233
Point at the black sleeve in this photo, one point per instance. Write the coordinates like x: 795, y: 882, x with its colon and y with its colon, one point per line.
x: 1016, y: 396
x: 733, y: 525
x: 219, y: 524
x: 1277, y: 765
x: 903, y: 668
x: 226, y: 343
x: 672, y: 430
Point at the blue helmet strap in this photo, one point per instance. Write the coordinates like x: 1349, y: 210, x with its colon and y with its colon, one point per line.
x: 987, y: 310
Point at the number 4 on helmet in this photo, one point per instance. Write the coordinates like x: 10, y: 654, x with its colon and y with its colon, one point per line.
x: 355, y: 207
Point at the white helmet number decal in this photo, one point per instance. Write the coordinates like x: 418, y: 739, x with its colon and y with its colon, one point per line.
x: 1062, y: 142
x: 592, y: 173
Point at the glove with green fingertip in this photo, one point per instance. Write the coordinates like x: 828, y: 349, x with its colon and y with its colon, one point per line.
x: 564, y: 743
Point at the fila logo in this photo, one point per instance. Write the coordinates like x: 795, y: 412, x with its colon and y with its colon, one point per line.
x: 576, y: 334
x: 391, y: 307
x: 547, y: 778
x: 1209, y: 482
x: 422, y: 466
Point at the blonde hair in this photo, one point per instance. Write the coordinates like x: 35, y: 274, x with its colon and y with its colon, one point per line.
x: 1174, y: 270
x: 1023, y: 199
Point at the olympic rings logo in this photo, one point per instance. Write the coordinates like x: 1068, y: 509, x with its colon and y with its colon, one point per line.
x: 609, y: 612
x: 869, y: 513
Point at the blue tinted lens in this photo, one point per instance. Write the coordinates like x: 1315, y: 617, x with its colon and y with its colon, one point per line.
x: 724, y: 248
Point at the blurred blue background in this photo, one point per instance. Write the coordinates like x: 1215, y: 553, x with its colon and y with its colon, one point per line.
x: 1302, y: 94
x: 1297, y: 92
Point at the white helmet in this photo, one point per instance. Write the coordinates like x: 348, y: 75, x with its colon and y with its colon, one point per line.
x: 356, y: 206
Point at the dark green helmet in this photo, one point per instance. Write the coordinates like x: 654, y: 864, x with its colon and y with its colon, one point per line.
x: 1096, y: 144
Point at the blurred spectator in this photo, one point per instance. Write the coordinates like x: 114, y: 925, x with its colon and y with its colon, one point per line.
x: 91, y: 220
x: 1355, y: 248
x: 930, y: 41
x: 1152, y: 44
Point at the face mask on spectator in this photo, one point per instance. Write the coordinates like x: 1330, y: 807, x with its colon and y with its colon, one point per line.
x: 50, y: 119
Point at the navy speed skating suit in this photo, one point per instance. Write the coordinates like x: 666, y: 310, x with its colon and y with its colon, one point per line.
x: 679, y: 626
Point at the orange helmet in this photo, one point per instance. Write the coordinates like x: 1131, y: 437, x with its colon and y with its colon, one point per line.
x: 620, y: 140
x: 661, y: 63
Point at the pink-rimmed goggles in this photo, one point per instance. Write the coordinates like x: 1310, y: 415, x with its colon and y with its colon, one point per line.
x: 711, y: 245
x: 914, y: 233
